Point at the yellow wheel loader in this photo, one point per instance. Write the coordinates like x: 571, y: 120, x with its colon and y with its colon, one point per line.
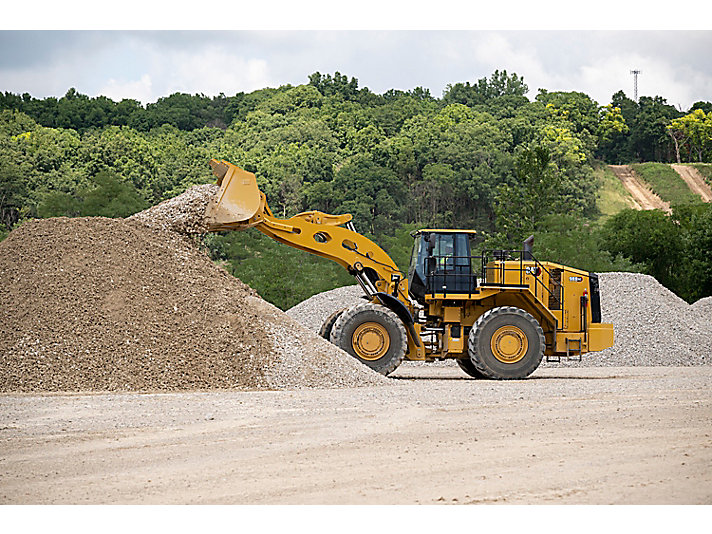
x: 498, y: 314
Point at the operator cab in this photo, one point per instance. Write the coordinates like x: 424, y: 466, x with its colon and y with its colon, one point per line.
x: 441, y: 263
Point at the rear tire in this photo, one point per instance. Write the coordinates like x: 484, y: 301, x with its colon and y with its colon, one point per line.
x: 372, y: 334
x: 469, y: 368
x: 506, y: 343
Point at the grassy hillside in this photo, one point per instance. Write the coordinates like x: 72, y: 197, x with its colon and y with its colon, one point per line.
x: 666, y: 183
x: 612, y: 196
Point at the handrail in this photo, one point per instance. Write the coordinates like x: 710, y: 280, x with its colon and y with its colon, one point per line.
x: 537, y: 263
x: 447, y: 264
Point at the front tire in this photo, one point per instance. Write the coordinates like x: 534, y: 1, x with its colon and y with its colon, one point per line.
x: 372, y: 334
x: 325, y: 330
x: 506, y: 343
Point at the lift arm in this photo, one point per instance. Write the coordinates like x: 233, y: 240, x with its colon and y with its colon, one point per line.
x: 240, y: 204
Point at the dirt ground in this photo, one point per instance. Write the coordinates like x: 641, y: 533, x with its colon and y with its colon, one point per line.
x: 565, y: 436
x: 642, y: 195
x: 694, y: 181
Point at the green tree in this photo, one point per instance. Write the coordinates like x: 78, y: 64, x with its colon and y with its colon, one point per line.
x: 648, y: 131
x: 370, y: 192
x: 521, y: 206
x: 337, y: 85
x: 112, y: 197
x: 500, y: 84
x: 649, y: 238
x: 12, y: 194
x: 578, y: 111
x: 694, y: 130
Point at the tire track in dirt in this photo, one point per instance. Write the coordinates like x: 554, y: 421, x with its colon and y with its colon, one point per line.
x: 642, y: 195
x: 694, y: 181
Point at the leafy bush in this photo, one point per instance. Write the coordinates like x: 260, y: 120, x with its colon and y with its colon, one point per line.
x: 674, y: 249
x: 576, y: 242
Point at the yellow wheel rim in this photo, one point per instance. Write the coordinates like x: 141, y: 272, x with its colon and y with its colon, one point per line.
x: 371, y: 341
x: 509, y: 344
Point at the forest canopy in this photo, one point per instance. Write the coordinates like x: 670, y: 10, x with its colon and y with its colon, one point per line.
x: 483, y: 156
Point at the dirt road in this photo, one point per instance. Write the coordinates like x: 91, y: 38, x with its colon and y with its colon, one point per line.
x: 584, y: 436
x: 694, y: 181
x: 642, y: 195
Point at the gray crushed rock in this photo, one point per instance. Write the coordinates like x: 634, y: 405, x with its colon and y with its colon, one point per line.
x: 312, y: 312
x: 95, y: 304
x: 704, y: 306
x: 184, y: 214
x: 302, y: 358
x: 653, y: 326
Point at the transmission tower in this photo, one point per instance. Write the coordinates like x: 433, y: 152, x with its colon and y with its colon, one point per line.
x: 635, y: 84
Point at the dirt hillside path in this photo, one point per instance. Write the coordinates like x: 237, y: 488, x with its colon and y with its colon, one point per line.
x: 642, y: 195
x: 694, y: 181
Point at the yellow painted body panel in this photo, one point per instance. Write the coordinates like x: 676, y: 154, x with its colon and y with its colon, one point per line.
x: 237, y: 200
x: 452, y: 314
x: 416, y: 353
x: 454, y: 345
x: 574, y: 340
x: 600, y: 336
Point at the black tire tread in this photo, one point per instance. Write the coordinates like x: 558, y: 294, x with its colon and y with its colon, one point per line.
x: 388, y: 365
x: 325, y: 330
x: 469, y: 368
x: 476, y: 332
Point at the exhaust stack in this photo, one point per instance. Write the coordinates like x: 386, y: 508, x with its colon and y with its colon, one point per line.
x: 527, y: 248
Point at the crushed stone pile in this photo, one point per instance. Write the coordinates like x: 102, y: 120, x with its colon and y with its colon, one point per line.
x: 313, y: 311
x: 704, y: 306
x: 96, y: 304
x: 652, y: 325
x: 182, y: 214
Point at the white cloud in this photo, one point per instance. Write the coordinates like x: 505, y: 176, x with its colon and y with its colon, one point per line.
x: 679, y: 86
x: 213, y: 70
x: 496, y: 51
x: 41, y: 81
x: 150, y: 65
x: 141, y: 90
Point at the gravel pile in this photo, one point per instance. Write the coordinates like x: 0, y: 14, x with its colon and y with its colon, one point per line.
x: 95, y: 304
x: 653, y: 326
x: 183, y: 214
x: 313, y: 312
x: 704, y: 306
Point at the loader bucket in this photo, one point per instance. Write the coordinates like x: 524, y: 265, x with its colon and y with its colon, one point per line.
x: 238, y: 199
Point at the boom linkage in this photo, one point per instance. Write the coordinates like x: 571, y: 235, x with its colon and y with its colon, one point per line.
x: 240, y: 205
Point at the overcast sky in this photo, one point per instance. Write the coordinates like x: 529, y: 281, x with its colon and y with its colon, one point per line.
x: 146, y: 65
